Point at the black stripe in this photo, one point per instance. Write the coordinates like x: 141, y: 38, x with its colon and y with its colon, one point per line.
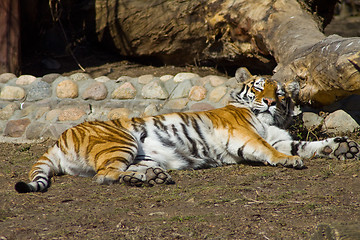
x: 295, y: 148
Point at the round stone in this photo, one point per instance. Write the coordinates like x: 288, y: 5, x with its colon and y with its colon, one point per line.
x: 67, y: 89
x: 8, y: 111
x: 25, y: 80
x: 102, y: 79
x: 12, y: 93
x: 5, y: 77
x: 145, y: 79
x: 79, y: 77
x: 118, y: 113
x: 125, y: 91
x: 71, y: 114
x: 49, y: 78
x: 96, y: 91
x: 197, y: 93
x: 38, y: 91
x: 154, y: 90
x: 176, y: 104
x: 217, y: 93
x: 185, y: 76
x: 166, y: 78
x: 16, y: 128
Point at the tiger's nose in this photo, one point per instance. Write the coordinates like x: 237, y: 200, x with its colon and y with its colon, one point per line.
x: 269, y: 101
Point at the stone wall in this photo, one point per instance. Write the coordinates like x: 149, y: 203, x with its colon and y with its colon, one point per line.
x: 38, y: 108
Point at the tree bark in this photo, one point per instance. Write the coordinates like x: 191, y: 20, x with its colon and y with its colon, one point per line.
x: 9, y: 36
x: 258, y: 34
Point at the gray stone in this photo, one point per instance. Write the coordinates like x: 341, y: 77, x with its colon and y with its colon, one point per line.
x: 16, y: 128
x: 125, y: 91
x: 49, y: 78
x: 96, y: 91
x: 180, y: 77
x: 77, y: 77
x: 181, y: 90
x: 339, y: 122
x: 8, y: 111
x: 34, y: 130
x: 145, y: 79
x: 102, y: 79
x: 5, y: 77
x: 176, y: 104
x: 166, y: 78
x: 39, y: 91
x: 312, y: 120
x: 217, y: 93
x: 154, y: 90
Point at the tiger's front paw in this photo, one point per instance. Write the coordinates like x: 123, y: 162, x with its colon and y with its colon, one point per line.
x: 344, y: 149
x: 289, y: 161
x: 158, y: 176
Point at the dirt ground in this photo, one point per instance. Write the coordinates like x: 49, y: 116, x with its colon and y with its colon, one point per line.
x: 233, y: 202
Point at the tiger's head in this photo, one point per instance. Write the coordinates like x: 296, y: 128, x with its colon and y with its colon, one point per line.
x: 269, y: 100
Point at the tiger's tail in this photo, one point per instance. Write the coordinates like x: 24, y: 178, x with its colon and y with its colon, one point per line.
x: 40, y: 174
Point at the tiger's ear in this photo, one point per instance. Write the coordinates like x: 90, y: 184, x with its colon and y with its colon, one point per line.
x: 242, y: 75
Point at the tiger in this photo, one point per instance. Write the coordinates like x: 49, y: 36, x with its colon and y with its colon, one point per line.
x: 138, y: 151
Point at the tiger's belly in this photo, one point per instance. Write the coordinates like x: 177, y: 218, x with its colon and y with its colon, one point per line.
x: 183, y: 155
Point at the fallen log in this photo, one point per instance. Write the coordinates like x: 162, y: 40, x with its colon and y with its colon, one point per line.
x: 284, y: 36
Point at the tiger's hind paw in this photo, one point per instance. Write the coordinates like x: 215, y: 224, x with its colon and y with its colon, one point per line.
x: 346, y: 149
x: 157, y: 176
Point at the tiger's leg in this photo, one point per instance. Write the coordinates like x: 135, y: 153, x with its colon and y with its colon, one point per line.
x: 152, y: 172
x: 112, y: 163
x: 250, y: 146
x: 339, y: 148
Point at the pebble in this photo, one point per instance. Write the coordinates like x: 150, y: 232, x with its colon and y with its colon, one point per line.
x: 145, y: 79
x: 180, y: 77
x: 197, y: 93
x: 38, y: 91
x: 181, y: 90
x: 5, y: 77
x: 102, y: 79
x: 96, y: 91
x: 154, y: 90
x: 217, y: 93
x: 8, y: 111
x: 124, y: 91
x: 77, y: 77
x: 71, y: 114
x: 49, y: 78
x: 25, y: 80
x: 16, y: 128
x: 12, y: 93
x: 67, y: 89
x: 118, y: 113
x: 166, y: 78
x: 176, y: 104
